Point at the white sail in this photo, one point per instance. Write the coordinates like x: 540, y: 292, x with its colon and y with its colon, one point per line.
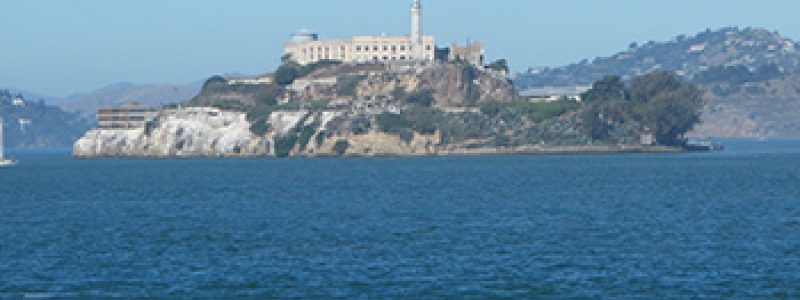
x: 2, y: 150
x: 3, y: 161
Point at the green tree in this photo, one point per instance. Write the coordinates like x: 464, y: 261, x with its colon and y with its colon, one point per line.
x: 499, y: 65
x: 306, y: 134
x: 259, y: 127
x: 320, y: 137
x: 286, y: 74
x: 595, y: 124
x: 285, y: 144
x: 422, y: 97
x: 391, y: 122
x: 406, y: 135
x: 660, y: 102
x: 360, y: 125
x: 608, y: 88
x: 668, y: 106
x: 287, y: 59
x: 644, y: 88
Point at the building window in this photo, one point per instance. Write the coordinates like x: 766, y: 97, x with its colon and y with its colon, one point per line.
x: 402, y: 47
x: 428, y: 47
x: 358, y: 48
x: 385, y: 48
x: 402, y: 57
x: 375, y: 48
x: 394, y: 48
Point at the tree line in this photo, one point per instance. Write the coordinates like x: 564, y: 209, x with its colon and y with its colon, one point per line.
x: 660, y: 103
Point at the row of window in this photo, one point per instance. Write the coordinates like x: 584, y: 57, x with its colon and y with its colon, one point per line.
x: 359, y: 48
x: 378, y: 58
x: 327, y: 56
x: 387, y: 47
x: 122, y: 110
x: 121, y: 118
x: 118, y: 125
x: 366, y: 58
x: 319, y: 49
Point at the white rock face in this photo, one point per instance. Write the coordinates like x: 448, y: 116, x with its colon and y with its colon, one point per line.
x: 283, y: 121
x: 209, y: 132
x: 189, y: 132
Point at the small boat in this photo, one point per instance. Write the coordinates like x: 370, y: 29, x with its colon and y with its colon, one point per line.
x: 4, y: 162
x: 702, y: 145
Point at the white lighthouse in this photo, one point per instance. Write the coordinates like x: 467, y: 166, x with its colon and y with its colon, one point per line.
x: 416, y: 30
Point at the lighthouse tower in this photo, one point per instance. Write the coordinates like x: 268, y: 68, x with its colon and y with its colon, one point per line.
x: 416, y: 30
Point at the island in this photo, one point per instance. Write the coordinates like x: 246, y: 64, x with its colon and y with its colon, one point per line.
x: 397, y: 95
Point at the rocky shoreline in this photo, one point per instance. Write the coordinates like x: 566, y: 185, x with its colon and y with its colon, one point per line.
x: 211, y: 132
x: 533, y: 150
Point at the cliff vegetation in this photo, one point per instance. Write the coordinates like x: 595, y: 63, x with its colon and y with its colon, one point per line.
x: 409, y: 108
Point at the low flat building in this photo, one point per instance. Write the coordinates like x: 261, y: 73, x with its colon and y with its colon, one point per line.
x: 553, y: 93
x: 129, y: 116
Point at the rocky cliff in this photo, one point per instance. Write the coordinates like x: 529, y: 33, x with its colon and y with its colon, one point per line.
x: 211, y: 132
x: 447, y: 84
x: 321, y: 110
x: 187, y: 132
x: 365, y: 87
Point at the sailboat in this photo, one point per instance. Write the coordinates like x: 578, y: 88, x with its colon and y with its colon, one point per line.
x: 3, y: 160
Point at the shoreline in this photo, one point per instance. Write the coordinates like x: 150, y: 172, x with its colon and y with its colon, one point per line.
x: 544, y: 150
x: 485, y: 151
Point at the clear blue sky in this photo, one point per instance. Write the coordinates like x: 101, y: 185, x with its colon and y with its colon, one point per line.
x: 59, y: 47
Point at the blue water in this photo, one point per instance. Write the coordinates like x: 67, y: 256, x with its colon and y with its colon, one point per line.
x: 722, y: 225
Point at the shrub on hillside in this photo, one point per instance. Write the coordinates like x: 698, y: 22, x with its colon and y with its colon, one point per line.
x: 340, y: 147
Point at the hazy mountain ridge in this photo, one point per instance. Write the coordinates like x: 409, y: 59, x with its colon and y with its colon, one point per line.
x: 122, y: 93
x: 751, y: 77
x: 687, y: 55
x: 753, y: 109
x: 33, y: 124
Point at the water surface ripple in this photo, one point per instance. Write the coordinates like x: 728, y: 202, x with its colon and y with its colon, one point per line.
x: 716, y: 225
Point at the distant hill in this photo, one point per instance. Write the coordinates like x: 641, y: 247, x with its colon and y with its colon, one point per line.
x: 121, y: 93
x: 35, y: 96
x: 33, y: 124
x: 769, y: 108
x: 687, y: 55
x: 751, y: 77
